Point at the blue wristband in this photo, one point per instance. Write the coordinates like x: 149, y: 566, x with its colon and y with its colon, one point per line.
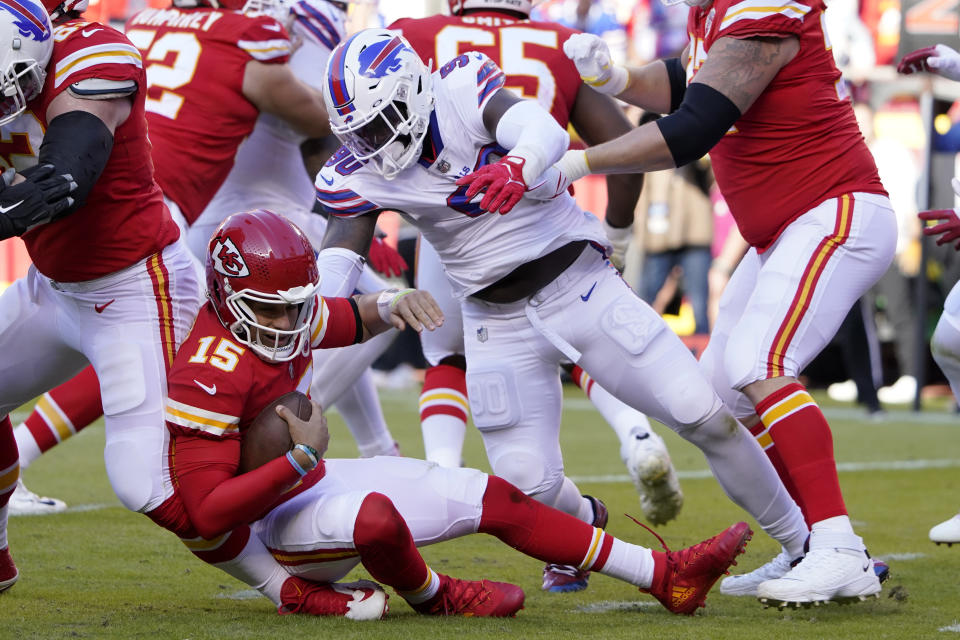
x: 310, y: 452
x: 295, y: 464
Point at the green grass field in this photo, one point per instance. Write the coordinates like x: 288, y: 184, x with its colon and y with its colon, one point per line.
x: 98, y: 571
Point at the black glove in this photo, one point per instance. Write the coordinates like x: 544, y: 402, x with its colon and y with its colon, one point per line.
x: 42, y: 197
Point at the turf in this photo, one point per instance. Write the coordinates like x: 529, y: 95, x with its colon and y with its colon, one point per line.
x: 98, y: 571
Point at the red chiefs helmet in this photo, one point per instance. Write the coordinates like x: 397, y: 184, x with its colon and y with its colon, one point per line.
x: 64, y: 9
x: 457, y: 7
x: 259, y: 256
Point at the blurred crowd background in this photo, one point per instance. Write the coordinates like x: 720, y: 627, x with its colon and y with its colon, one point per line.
x: 684, y: 242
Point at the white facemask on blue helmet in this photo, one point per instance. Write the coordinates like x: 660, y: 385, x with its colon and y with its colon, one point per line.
x: 379, y: 98
x: 26, y: 43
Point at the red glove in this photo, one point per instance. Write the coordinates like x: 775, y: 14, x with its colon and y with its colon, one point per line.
x: 916, y: 61
x: 385, y: 259
x: 502, y: 183
x: 948, y: 230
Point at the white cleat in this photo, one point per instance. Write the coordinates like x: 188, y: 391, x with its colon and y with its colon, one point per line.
x: 24, y: 502
x: 652, y: 472
x: 900, y: 392
x: 836, y: 569
x: 845, y: 391
x: 746, y: 584
x: 947, y: 532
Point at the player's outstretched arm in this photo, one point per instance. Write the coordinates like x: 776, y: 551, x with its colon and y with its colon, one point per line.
x: 341, y: 259
x: 275, y: 89
x: 939, y: 59
x: 728, y: 83
x: 398, y: 308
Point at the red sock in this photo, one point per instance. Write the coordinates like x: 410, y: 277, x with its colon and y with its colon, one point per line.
x: 803, y: 440
x: 65, y: 410
x: 540, y: 531
x: 762, y: 435
x: 582, y: 379
x: 386, y: 546
x: 9, y: 461
x: 444, y: 393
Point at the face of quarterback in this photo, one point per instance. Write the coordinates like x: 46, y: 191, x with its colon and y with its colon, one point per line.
x: 281, y: 317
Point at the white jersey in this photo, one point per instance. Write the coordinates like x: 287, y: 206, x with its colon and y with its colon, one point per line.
x: 269, y: 171
x: 477, y: 248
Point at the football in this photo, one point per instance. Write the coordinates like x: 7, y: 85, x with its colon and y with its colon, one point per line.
x: 268, y: 436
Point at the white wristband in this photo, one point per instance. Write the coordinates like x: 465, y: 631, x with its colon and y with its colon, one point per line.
x: 614, y: 84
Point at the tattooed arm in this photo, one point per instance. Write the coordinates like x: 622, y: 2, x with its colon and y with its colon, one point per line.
x: 739, y: 70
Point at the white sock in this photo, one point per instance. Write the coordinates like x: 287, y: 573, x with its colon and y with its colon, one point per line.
x: 836, y: 524
x: 629, y: 562
x: 443, y: 439
x: 624, y: 419
x: 424, y: 593
x: 26, y: 444
x: 255, y: 567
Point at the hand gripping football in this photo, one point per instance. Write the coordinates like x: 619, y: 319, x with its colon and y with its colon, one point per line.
x: 268, y: 436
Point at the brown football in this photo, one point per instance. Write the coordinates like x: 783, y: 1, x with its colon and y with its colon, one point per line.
x: 268, y: 436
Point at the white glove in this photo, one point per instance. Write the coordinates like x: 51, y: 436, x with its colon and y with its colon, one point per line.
x: 619, y: 240
x: 560, y: 176
x: 946, y: 62
x: 592, y: 57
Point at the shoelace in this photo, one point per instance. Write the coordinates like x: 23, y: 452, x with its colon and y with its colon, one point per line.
x: 461, y: 594
x: 565, y: 569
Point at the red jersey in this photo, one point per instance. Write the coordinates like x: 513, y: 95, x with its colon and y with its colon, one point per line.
x: 529, y: 53
x: 799, y: 143
x: 124, y: 219
x: 196, y: 109
x: 216, y: 387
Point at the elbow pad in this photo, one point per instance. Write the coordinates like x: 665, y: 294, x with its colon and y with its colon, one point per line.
x: 340, y: 270
x: 704, y: 117
x: 78, y: 143
x: 527, y: 130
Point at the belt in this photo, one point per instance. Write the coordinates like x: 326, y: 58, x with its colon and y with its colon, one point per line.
x: 530, y: 277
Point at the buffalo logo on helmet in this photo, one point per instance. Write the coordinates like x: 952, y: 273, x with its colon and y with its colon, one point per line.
x: 381, y: 58
x: 227, y: 259
x: 29, y: 18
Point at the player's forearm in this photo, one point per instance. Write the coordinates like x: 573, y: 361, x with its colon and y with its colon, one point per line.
x: 648, y: 87
x: 640, y: 151
x: 623, y: 191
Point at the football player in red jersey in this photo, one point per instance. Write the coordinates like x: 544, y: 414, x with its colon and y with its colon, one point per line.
x: 320, y: 518
x: 530, y: 54
x: 111, y: 284
x: 757, y: 87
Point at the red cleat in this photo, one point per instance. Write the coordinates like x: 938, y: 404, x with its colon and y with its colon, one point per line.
x: 362, y: 600
x: 473, y: 598
x: 682, y: 579
x: 8, y: 570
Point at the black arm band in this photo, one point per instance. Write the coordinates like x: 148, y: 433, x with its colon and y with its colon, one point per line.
x: 356, y: 316
x: 78, y: 143
x: 678, y: 81
x: 703, y: 118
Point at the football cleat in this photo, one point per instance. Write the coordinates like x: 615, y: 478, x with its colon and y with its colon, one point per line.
x: 652, y: 472
x: 746, y: 584
x: 565, y: 578
x: 682, y: 579
x: 473, y: 598
x: 947, y: 532
x: 362, y: 600
x: 8, y: 570
x: 837, y: 568
x: 24, y: 502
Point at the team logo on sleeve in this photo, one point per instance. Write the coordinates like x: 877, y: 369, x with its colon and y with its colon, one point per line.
x: 227, y: 259
x: 28, y: 19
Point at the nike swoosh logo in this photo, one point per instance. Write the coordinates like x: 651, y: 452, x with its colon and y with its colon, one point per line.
x: 866, y: 567
x: 89, y: 32
x: 329, y: 183
x: 589, y: 293
x: 100, y: 307
x: 13, y: 206
x: 211, y: 390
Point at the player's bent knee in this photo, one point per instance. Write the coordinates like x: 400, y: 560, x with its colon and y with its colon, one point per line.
x: 130, y: 476
x: 526, y: 471
x: 379, y: 522
x: 945, y: 344
x: 719, y: 427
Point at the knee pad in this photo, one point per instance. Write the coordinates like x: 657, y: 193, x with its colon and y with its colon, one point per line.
x: 718, y: 427
x: 378, y: 522
x: 131, y: 476
x: 945, y: 343
x: 527, y: 472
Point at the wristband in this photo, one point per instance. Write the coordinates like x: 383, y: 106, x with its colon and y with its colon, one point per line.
x: 310, y: 452
x: 387, y: 300
x: 296, y: 466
